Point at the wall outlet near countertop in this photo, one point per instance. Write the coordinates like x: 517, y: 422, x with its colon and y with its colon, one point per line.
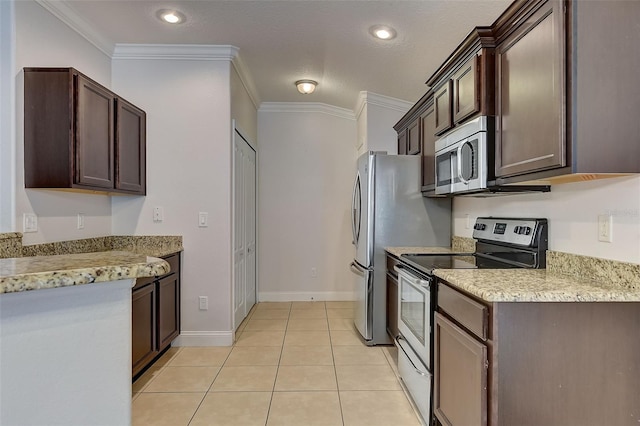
x: 605, y: 228
x: 29, y: 223
x: 158, y: 214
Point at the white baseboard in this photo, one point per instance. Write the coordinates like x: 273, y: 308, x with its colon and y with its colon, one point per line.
x: 302, y: 296
x: 204, y: 338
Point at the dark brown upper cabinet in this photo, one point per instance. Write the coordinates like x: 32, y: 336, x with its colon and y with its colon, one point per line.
x: 413, y: 138
x: 402, y: 142
x: 80, y: 136
x: 566, y: 95
x: 464, y: 84
x: 416, y: 130
x: 530, y: 94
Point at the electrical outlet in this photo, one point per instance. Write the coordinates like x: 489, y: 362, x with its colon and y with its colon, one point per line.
x: 29, y: 222
x: 314, y: 272
x: 605, y: 228
x: 204, y: 303
x: 158, y: 214
x: 80, y: 220
x: 467, y: 221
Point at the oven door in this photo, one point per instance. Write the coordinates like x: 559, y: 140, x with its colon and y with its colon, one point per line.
x: 414, y: 313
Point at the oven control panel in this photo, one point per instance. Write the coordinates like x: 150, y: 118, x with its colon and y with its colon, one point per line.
x: 509, y: 230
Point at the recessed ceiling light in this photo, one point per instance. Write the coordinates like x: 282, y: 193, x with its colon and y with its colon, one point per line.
x: 382, y: 32
x: 171, y: 16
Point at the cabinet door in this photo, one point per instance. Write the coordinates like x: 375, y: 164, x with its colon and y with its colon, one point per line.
x: 413, y: 138
x: 442, y: 105
x: 94, y: 162
x: 143, y: 323
x: 427, y: 134
x: 460, y: 376
x: 392, y: 305
x: 168, y: 309
x: 531, y: 94
x: 402, y: 142
x: 130, y: 148
x: 466, y: 90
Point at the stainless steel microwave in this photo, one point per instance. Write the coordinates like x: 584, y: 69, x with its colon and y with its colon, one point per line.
x: 461, y: 157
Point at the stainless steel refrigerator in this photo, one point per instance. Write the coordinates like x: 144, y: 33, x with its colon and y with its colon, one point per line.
x: 388, y: 210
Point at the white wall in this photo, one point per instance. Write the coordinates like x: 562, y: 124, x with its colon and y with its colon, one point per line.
x: 7, y: 117
x: 188, y: 171
x: 43, y: 40
x: 376, y: 116
x: 572, y: 210
x: 306, y: 171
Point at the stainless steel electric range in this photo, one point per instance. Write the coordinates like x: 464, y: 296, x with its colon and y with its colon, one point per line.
x: 500, y: 243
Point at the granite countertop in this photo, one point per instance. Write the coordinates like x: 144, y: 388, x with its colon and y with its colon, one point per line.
x: 398, y: 251
x: 41, y: 272
x: 540, y: 285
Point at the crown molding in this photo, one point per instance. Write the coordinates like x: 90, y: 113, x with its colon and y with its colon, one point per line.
x: 74, y: 21
x: 178, y: 52
x: 370, y: 98
x: 307, y: 107
x: 246, y: 79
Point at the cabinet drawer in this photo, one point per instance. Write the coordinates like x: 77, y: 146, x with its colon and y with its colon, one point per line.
x: 467, y: 312
x: 141, y: 282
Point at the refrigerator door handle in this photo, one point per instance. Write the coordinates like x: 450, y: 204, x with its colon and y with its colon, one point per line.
x: 356, y: 209
x: 357, y: 269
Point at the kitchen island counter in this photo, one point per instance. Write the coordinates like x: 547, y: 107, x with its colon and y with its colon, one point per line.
x: 526, y: 285
x: 45, y: 272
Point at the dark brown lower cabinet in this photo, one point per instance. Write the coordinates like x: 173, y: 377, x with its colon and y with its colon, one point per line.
x: 169, y: 309
x: 143, y: 326
x: 155, y: 316
x: 392, y: 297
x: 535, y: 363
x: 460, y: 362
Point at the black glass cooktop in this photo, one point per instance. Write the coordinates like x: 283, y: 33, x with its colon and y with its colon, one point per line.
x: 429, y: 262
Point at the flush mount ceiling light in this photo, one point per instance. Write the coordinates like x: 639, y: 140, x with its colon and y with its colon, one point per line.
x: 306, y: 87
x: 382, y: 32
x: 171, y: 16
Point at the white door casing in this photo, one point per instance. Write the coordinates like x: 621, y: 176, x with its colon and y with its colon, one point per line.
x: 244, y: 228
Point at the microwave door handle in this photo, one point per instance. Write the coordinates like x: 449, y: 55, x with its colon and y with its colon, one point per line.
x: 459, y: 162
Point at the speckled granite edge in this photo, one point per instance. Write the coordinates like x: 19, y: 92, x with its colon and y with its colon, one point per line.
x: 10, y: 244
x: 398, y: 251
x: 534, y: 285
x: 626, y: 275
x: 151, y: 245
x: 42, y: 272
x: 463, y: 244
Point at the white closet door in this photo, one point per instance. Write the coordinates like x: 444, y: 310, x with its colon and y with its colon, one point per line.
x: 244, y: 237
x: 250, y: 226
x: 239, y: 306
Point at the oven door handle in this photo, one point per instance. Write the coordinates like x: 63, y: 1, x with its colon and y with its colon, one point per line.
x: 413, y: 280
x: 399, y: 343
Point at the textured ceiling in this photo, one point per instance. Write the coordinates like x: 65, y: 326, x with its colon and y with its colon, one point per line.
x: 283, y: 41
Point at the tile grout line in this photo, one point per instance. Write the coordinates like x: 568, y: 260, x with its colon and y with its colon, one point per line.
x: 273, y: 390
x: 335, y: 370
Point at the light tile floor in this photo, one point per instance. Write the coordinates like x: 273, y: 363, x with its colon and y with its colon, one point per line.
x: 293, y: 364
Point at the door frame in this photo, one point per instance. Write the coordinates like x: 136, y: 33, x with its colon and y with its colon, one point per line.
x: 235, y: 132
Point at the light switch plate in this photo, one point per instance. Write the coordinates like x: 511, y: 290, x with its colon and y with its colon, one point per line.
x: 203, y: 219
